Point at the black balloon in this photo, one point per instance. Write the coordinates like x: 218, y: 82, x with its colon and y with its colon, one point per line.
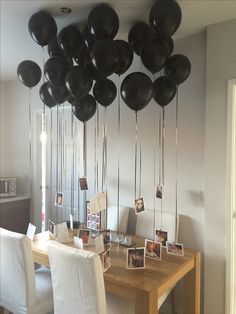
x: 88, y: 38
x: 126, y: 56
x: 60, y: 94
x: 82, y: 57
x: 104, y: 92
x: 138, y: 35
x: 69, y: 40
x: 42, y: 27
x: 46, y: 97
x: 55, y: 70
x: 79, y: 82
x: 54, y: 49
x: 165, y: 17
x: 105, y: 56
x: 94, y: 73
x: 29, y: 73
x: 154, y: 54
x: 178, y: 68
x: 164, y: 90
x: 84, y: 108
x: 103, y: 22
x: 170, y: 43
x: 71, y: 99
x: 136, y: 90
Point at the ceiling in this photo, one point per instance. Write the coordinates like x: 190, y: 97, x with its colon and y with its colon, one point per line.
x: 17, y: 45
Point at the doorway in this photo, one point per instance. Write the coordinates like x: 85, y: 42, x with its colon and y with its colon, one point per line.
x: 61, y: 165
x: 231, y: 200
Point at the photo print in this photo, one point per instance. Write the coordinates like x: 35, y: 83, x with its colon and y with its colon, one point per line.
x: 106, y: 236
x: 84, y: 234
x: 135, y: 258
x: 159, y: 191
x: 139, y: 206
x: 161, y: 236
x: 51, y: 226
x: 59, y: 199
x: 106, y: 260
x: 175, y: 249
x: 83, y: 184
x: 153, y: 249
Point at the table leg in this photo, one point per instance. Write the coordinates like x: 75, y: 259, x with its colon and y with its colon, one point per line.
x: 192, y: 288
x: 146, y: 302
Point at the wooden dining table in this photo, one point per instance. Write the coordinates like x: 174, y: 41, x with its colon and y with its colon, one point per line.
x: 143, y: 286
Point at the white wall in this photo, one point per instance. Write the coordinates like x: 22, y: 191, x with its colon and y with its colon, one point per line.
x: 221, y: 66
x: 2, y: 128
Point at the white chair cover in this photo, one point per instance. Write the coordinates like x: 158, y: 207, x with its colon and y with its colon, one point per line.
x: 77, y: 277
x: 19, y: 292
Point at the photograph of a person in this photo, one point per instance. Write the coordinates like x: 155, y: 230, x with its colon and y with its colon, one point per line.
x: 83, y: 184
x: 175, y: 248
x: 84, y: 234
x: 106, y: 236
x: 106, y: 260
x: 51, y: 226
x: 159, y: 191
x: 135, y: 258
x: 153, y: 249
x: 139, y: 206
x: 59, y: 199
x: 161, y: 236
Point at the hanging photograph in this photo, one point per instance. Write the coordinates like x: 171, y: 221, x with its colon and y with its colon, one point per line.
x: 153, y: 249
x: 159, y: 191
x: 106, y: 236
x: 59, y: 199
x: 83, y: 184
x: 139, y: 206
x: 106, y: 260
x: 51, y: 226
x: 161, y: 236
x: 84, y: 234
x: 135, y: 258
x: 175, y: 249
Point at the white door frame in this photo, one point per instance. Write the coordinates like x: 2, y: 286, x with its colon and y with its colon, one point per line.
x: 230, y: 304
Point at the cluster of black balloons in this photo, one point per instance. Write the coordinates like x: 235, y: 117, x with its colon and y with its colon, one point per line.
x: 80, y: 57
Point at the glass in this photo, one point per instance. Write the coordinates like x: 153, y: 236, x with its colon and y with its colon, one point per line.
x: 128, y: 239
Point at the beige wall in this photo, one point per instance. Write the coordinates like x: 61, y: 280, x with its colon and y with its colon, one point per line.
x: 221, y: 66
x: 2, y: 129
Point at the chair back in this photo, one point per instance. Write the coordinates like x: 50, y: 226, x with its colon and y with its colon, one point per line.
x: 123, y: 218
x: 165, y: 221
x: 77, y: 279
x: 17, y: 279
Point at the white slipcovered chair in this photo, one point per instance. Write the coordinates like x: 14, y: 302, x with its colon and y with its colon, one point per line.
x: 22, y: 290
x: 78, y: 283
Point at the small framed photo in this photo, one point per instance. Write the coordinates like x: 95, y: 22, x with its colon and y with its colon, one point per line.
x: 84, y: 234
x: 175, y: 249
x: 159, y: 191
x: 153, y: 249
x: 161, y: 236
x: 106, y: 236
x: 106, y: 260
x: 59, y: 199
x: 83, y: 184
x: 139, y: 206
x: 135, y: 258
x: 51, y: 226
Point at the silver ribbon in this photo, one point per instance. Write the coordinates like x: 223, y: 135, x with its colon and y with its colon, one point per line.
x: 176, y: 164
x: 118, y: 161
